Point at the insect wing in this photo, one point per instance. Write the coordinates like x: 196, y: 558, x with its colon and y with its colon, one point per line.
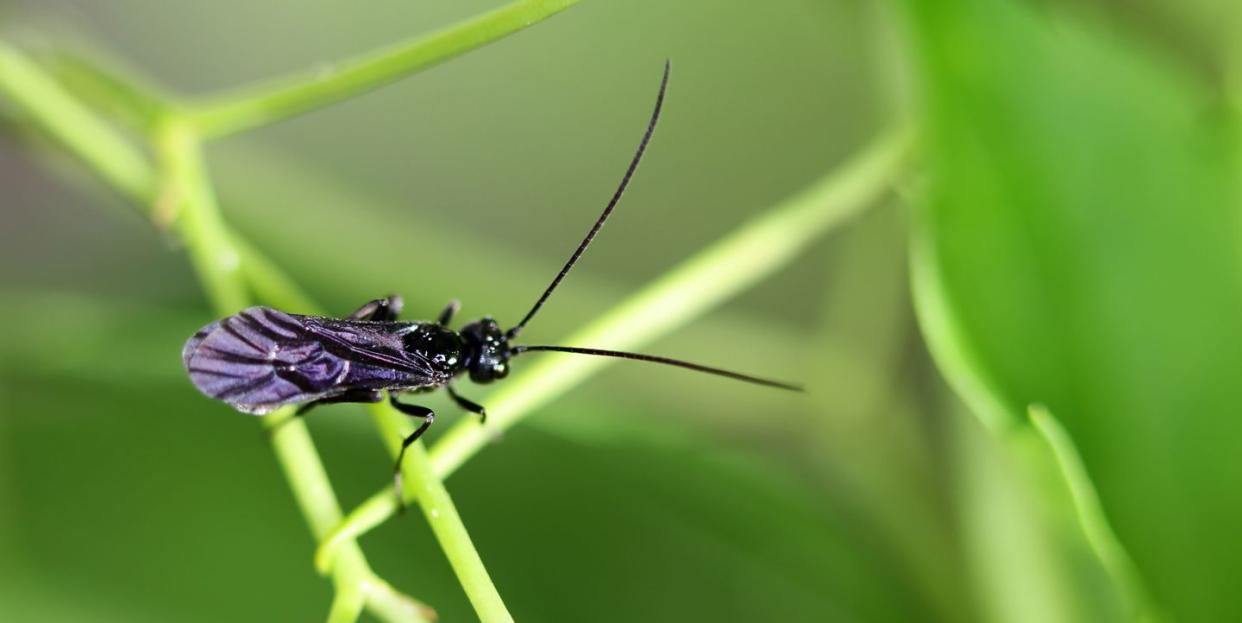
x: 358, y: 341
x: 261, y: 359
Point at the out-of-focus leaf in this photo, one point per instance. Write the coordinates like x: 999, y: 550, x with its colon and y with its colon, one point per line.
x: 1083, y: 230
x: 1026, y: 551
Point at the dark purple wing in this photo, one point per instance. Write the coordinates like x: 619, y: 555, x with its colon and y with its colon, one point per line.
x: 368, y: 342
x: 261, y: 359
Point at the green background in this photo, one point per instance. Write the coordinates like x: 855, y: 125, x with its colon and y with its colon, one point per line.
x: 1072, y: 230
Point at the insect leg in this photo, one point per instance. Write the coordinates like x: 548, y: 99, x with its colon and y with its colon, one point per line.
x: 384, y: 309
x: 428, y: 417
x: 446, y: 316
x: 353, y: 395
x: 466, y: 404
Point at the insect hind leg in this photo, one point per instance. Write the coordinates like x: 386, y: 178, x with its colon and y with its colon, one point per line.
x: 380, y: 310
x: 428, y: 416
x: 353, y: 395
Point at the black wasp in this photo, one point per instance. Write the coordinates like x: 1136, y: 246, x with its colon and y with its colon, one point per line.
x: 261, y: 358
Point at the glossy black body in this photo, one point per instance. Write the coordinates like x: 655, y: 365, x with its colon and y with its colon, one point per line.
x: 261, y: 359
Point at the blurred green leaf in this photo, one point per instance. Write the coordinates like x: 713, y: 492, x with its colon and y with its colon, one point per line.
x: 1082, y: 232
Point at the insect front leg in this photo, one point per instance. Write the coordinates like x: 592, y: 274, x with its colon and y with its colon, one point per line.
x: 467, y: 405
x: 381, y: 310
x: 446, y: 316
x: 417, y: 411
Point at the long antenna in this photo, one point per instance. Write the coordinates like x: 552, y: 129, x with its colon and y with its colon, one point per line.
x: 616, y: 196
x: 517, y: 350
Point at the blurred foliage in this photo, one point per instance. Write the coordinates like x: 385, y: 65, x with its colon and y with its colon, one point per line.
x: 1075, y: 243
x: 1084, y: 219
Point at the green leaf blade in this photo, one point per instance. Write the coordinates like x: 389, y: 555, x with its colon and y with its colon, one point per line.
x: 1082, y: 234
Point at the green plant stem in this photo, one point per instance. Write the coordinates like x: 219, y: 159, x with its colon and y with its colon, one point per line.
x: 267, y: 279
x: 285, y: 97
x: 709, y: 278
x: 116, y: 94
x: 295, y: 451
x: 219, y: 266
x: 418, y: 476
x: 390, y: 604
x: 48, y: 105
x: 346, y: 605
x: 420, y: 482
x: 189, y: 193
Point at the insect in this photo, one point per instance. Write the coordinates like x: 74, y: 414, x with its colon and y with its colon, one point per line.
x: 261, y: 359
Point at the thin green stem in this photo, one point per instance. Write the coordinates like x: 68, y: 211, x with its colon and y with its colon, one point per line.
x: 121, y: 164
x: 420, y: 482
x: 267, y: 279
x: 346, y: 606
x: 295, y: 451
x: 390, y: 604
x: 117, y: 94
x: 712, y: 276
x: 188, y: 193
x: 286, y: 97
x: 219, y: 265
x: 208, y: 236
